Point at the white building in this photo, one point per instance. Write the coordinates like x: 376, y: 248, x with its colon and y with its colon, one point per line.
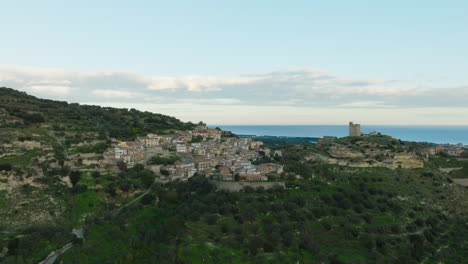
x: 181, y: 148
x: 119, y: 152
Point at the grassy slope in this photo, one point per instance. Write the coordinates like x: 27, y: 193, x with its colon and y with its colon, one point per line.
x: 58, y: 126
x: 460, y: 174
x: 341, y: 215
x: 22, y: 110
x: 407, y: 214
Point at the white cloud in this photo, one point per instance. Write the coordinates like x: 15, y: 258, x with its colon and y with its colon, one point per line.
x: 288, y: 102
x: 112, y: 94
x: 292, y: 73
x: 193, y: 83
x: 390, y: 91
x: 367, y: 104
x: 154, y: 99
x: 49, y: 82
x: 216, y: 101
x: 52, y: 89
x: 295, y: 88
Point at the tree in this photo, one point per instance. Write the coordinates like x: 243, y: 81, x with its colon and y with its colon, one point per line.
x: 147, y: 199
x: 237, y: 177
x: 124, y: 186
x: 147, y: 178
x: 121, y: 165
x: 160, y: 160
x: 6, y: 167
x: 75, y: 177
x: 255, y: 243
x: 211, y: 219
x: 13, y: 246
x: 111, y: 190
x: 307, y: 243
x: 197, y: 139
x: 96, y: 174
x: 139, y: 167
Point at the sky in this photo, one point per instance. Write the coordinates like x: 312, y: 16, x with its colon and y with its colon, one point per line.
x: 245, y: 62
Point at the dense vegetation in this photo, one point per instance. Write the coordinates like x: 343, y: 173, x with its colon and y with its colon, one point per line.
x: 461, y: 173
x: 326, y: 213
x: 84, y: 198
x: 330, y: 214
x: 42, y: 148
x: 20, y: 110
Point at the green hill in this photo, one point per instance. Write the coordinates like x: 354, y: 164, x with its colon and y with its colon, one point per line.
x: 330, y: 214
x: 19, y: 110
x: 41, y: 143
x: 326, y: 214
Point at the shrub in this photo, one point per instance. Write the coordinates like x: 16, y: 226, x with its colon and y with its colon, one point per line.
x: 75, y: 177
x: 327, y: 225
x: 211, y: 219
x: 147, y: 199
x: 6, y: 167
x: 96, y: 174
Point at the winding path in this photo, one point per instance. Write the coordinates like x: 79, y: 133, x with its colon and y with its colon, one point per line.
x: 448, y: 170
x: 52, y: 257
x: 79, y: 232
x: 136, y: 199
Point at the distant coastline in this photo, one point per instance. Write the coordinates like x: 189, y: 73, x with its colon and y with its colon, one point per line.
x: 281, y: 140
x: 432, y: 134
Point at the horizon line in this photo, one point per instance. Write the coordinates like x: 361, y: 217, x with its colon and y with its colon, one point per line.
x: 425, y: 125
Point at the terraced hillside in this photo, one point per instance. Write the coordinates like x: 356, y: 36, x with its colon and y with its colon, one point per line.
x: 44, y: 146
x: 328, y: 213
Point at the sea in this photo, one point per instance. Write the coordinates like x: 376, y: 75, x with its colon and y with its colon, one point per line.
x: 432, y: 134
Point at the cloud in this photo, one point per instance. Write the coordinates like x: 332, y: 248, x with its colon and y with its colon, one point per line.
x: 288, y: 102
x: 366, y: 104
x: 51, y: 89
x: 154, y: 99
x: 290, y: 74
x: 216, y: 101
x: 109, y: 94
x: 305, y: 87
x: 193, y: 83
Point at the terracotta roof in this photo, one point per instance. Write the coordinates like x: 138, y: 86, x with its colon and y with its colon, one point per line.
x: 222, y: 168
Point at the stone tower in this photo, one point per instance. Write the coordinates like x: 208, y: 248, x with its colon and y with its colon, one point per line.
x: 354, y: 130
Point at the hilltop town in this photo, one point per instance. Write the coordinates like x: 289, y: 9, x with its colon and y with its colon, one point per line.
x: 202, y: 150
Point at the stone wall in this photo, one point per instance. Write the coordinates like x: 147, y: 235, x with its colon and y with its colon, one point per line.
x: 234, y: 186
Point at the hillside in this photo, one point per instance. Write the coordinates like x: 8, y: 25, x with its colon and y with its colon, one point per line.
x: 20, y: 110
x: 327, y: 214
x: 371, y: 151
x: 42, y: 143
x: 350, y: 200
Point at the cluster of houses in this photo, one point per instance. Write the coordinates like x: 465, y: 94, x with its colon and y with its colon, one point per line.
x: 201, y: 150
x: 449, y: 149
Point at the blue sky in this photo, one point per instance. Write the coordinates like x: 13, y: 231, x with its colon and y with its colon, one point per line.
x: 289, y: 62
